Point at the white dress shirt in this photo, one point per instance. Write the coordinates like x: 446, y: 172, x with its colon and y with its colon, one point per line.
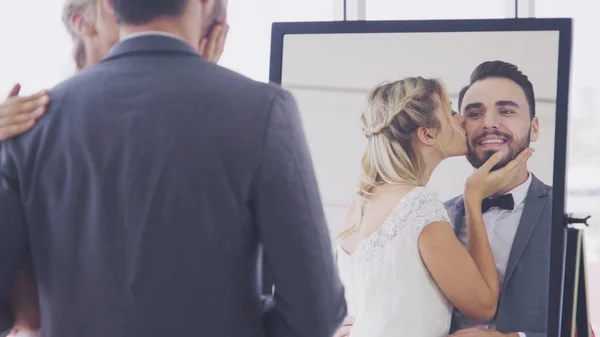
x: 149, y: 33
x: 501, y: 226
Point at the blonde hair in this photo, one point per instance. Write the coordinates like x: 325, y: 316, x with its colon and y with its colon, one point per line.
x: 394, y: 113
x: 70, y: 8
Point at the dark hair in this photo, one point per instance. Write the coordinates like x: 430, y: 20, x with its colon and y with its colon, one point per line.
x: 139, y: 12
x: 503, y: 70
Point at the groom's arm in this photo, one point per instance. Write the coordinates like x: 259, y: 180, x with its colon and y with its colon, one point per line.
x: 13, y: 236
x: 309, y: 297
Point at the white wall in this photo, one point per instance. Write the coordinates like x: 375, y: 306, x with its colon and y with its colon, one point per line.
x: 364, y: 60
x: 330, y: 76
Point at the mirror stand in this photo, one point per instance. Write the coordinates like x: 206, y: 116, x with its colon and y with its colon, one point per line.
x: 575, y: 317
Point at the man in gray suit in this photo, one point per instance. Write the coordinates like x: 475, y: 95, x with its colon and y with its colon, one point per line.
x: 145, y: 193
x: 499, y: 111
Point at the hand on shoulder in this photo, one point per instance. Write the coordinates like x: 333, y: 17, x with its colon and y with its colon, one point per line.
x: 19, y: 114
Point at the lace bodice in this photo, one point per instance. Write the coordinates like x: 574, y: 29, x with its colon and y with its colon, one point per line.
x: 388, y: 288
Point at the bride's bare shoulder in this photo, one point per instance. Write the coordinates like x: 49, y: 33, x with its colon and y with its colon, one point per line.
x: 352, y: 214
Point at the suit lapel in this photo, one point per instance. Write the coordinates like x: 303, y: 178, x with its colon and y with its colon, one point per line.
x: 534, y: 205
x: 457, y: 215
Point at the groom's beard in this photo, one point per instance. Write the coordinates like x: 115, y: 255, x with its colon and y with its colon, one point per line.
x: 515, y: 146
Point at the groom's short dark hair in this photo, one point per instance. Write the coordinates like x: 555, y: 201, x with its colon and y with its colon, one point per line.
x: 501, y: 69
x: 139, y: 12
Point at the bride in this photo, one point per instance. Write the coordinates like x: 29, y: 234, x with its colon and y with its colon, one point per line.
x: 402, y: 266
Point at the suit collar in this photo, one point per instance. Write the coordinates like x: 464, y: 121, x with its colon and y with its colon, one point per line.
x: 536, y: 201
x: 538, y: 188
x: 148, y: 43
x: 151, y: 33
x: 533, y: 187
x: 519, y: 193
x: 534, y: 206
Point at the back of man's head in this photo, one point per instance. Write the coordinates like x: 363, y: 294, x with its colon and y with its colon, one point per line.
x: 139, y: 12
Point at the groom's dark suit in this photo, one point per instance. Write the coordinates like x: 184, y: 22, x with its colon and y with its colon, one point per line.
x: 523, y: 304
x: 143, y: 196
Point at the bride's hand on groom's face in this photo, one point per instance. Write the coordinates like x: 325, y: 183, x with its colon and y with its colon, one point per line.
x: 344, y: 329
x: 478, y: 332
x: 484, y: 182
x: 212, y: 46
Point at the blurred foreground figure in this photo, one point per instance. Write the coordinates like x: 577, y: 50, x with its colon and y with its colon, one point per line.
x: 143, y: 194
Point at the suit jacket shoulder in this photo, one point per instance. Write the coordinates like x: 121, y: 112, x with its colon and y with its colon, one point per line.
x: 455, y: 205
x: 454, y: 202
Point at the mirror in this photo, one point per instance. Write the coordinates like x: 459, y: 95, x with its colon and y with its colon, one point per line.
x: 508, y: 79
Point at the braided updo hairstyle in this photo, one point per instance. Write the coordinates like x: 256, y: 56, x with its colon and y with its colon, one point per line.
x: 394, y: 113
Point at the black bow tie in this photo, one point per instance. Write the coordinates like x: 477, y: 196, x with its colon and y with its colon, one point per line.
x: 504, y: 202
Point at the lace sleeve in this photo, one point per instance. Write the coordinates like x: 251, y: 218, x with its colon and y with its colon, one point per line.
x: 429, y: 209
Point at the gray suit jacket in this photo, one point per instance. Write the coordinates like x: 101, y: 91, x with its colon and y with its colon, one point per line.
x: 145, y: 193
x: 523, y: 303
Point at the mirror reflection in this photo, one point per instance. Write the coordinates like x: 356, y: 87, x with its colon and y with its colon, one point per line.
x: 439, y: 199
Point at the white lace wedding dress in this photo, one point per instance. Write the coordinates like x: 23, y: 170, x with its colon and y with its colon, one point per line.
x: 388, y: 288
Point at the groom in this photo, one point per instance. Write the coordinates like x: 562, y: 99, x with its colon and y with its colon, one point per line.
x: 499, y: 111
x: 144, y: 194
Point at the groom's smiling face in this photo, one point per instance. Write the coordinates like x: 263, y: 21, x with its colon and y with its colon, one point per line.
x: 497, y: 118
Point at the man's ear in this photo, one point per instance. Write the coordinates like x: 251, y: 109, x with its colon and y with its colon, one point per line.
x: 535, y: 129
x: 425, y: 136
x: 82, y: 25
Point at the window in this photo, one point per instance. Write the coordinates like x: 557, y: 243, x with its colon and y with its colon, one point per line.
x: 583, y: 181
x: 435, y: 9
x: 248, y: 47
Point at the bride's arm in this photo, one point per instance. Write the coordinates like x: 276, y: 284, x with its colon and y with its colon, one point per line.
x: 469, y: 281
x: 481, y: 251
